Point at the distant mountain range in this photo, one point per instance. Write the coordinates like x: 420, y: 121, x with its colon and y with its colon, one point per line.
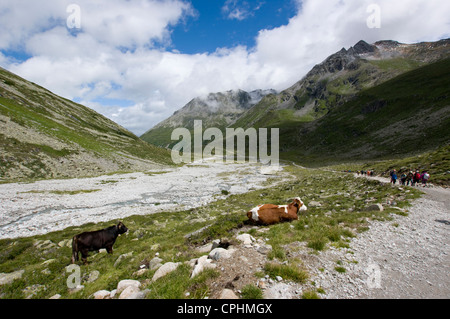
x: 215, y: 110
x: 45, y: 136
x: 387, y: 83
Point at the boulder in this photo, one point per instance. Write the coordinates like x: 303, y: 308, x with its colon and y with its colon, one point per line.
x: 123, y: 284
x: 264, y: 249
x: 10, y: 277
x: 228, y: 294
x: 93, y: 276
x: 129, y: 292
x: 164, y: 270
x: 122, y: 257
x: 102, y: 294
x: 218, y: 253
x: 314, y: 204
x: 202, y: 264
x: 155, y: 263
x: 374, y: 208
x: 246, y: 239
x: 137, y: 295
x: 205, y: 248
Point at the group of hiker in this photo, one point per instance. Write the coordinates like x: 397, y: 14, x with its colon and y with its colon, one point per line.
x: 367, y: 173
x: 411, y: 178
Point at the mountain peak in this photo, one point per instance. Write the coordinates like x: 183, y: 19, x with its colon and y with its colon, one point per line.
x: 363, y: 47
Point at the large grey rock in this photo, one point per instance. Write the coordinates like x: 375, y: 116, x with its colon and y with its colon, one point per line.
x: 228, y: 294
x: 123, y: 284
x: 122, y: 257
x: 155, y: 263
x: 102, y: 294
x: 219, y: 253
x: 164, y: 270
x: 246, y: 239
x: 202, y: 264
x: 7, y: 278
x: 374, y: 208
x: 129, y: 292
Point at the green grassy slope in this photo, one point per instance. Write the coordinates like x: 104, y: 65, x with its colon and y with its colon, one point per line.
x: 39, y: 129
x: 406, y: 115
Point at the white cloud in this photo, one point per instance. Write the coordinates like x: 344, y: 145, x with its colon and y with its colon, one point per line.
x: 119, y: 53
x: 239, y: 10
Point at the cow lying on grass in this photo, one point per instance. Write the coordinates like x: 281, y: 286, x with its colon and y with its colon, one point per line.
x: 270, y: 214
x: 96, y: 240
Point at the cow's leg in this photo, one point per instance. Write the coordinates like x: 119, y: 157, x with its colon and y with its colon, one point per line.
x: 109, y: 249
x: 74, y: 257
x: 84, y: 255
x: 74, y: 249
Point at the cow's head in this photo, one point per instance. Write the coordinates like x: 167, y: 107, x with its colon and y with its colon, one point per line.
x: 121, y: 228
x: 299, y: 204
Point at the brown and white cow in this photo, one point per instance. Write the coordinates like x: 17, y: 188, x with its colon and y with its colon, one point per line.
x: 270, y: 214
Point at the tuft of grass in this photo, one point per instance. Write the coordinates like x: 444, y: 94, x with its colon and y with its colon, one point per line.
x: 251, y: 292
x: 310, y: 294
x: 288, y: 272
x: 340, y: 269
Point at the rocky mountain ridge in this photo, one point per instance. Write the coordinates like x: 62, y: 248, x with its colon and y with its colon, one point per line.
x: 330, y: 84
x: 341, y: 76
x: 219, y: 110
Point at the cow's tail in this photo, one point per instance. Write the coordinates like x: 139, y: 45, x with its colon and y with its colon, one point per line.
x: 74, y: 249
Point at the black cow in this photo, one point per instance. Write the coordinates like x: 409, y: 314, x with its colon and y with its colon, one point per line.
x: 95, y: 240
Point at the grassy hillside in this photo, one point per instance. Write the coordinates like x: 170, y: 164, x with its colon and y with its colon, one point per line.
x: 43, y: 135
x: 407, y: 115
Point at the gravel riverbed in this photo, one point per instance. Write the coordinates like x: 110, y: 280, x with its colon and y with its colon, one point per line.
x: 29, y: 209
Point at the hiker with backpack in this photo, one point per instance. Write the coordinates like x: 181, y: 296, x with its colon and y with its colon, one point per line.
x: 403, y: 178
x: 394, y: 176
x: 425, y: 178
x: 416, y: 178
x: 409, y: 178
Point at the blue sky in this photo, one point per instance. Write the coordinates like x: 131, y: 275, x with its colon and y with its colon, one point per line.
x: 138, y: 61
x: 218, y: 24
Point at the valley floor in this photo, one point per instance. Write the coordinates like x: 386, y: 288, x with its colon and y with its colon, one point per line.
x: 41, y: 207
x: 406, y: 257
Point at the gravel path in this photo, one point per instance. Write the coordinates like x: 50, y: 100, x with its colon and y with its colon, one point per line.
x: 408, y: 257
